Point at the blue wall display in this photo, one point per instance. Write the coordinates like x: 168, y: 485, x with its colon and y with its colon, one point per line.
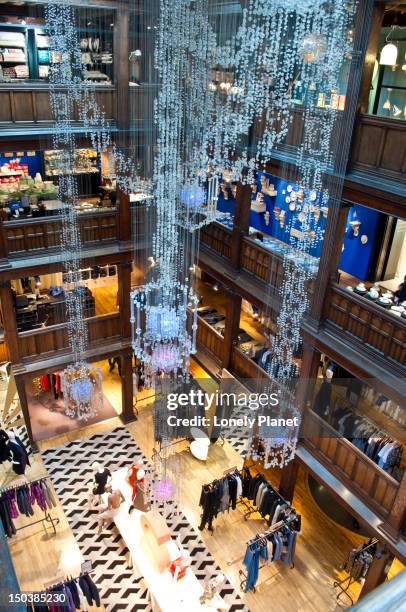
x: 357, y: 255
x: 358, y: 252
x: 34, y: 162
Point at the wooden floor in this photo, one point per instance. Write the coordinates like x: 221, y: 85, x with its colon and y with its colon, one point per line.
x: 321, y: 547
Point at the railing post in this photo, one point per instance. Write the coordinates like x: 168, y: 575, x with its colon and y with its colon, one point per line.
x: 232, y: 325
x: 20, y: 384
x: 4, y: 263
x: 241, y: 222
x: 9, y: 321
x: 124, y: 288
x: 378, y: 570
x: 396, y: 520
x: 127, y: 412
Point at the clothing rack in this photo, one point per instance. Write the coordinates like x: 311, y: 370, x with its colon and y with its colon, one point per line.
x: 22, y: 484
x: 54, y: 585
x: 251, y: 507
x: 344, y: 584
x: 48, y: 518
x: 260, y: 536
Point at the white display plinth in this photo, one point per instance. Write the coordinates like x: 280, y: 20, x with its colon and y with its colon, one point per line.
x: 166, y: 594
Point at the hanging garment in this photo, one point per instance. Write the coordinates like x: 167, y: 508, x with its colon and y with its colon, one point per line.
x: 89, y: 590
x: 323, y: 398
x: 253, y: 554
x: 45, y: 382
x: 74, y: 591
x: 4, y: 450
x: 48, y: 494
x: 225, y: 498
x: 210, y: 501
x: 5, y: 517
x: 37, y: 495
x: 11, y: 503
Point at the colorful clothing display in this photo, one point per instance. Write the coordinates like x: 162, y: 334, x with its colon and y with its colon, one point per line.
x: 21, y: 500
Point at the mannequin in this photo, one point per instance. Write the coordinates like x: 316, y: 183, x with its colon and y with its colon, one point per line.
x: 107, y: 513
x: 323, y: 397
x: 4, y: 450
x: 17, y: 453
x: 211, y: 596
x: 100, y: 484
x: 139, y: 501
x: 131, y: 477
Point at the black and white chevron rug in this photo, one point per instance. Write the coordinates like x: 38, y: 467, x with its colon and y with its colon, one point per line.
x: 70, y: 471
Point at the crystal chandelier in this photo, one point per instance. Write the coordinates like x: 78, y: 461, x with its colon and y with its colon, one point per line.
x: 81, y: 385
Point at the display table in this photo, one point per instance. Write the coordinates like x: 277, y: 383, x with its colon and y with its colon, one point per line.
x: 166, y: 594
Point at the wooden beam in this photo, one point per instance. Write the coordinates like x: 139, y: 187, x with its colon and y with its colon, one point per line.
x: 241, y: 222
x: 9, y: 321
x: 370, y: 57
x: 378, y: 570
x: 232, y: 325
x: 20, y: 384
x: 127, y: 413
x: 124, y: 288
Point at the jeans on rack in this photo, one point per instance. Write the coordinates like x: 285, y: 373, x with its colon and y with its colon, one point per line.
x: 251, y: 562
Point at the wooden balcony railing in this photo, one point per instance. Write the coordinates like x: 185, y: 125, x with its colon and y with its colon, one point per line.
x: 49, y: 340
x: 30, y: 102
x: 30, y: 236
x: 218, y: 238
x: 245, y: 368
x: 209, y: 340
x: 262, y: 263
x: 379, y: 147
x: 359, y: 320
x: 371, y: 483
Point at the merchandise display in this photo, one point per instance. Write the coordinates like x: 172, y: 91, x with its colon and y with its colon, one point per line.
x: 85, y: 162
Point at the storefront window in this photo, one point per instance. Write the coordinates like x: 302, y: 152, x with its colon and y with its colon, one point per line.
x: 388, y: 88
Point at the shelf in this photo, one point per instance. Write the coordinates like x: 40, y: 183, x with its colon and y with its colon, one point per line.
x: 19, y: 62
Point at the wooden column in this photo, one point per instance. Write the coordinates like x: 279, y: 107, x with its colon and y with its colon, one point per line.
x: 232, y: 325
x: 288, y: 480
x: 9, y: 321
x: 20, y: 384
x: 335, y: 228
x: 241, y: 222
x: 330, y: 256
x: 127, y: 413
x: 370, y: 56
x: 121, y: 81
x: 396, y: 520
x: 378, y: 571
x: 308, y: 374
x: 122, y: 68
x: 4, y: 262
x: 124, y: 216
x: 124, y: 288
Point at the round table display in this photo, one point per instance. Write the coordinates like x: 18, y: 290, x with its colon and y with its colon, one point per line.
x: 386, y: 305
x: 360, y: 292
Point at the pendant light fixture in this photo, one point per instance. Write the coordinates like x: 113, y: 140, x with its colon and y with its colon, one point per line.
x: 387, y: 105
x: 389, y: 53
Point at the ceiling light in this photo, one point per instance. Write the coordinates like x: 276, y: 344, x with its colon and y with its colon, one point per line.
x: 389, y: 53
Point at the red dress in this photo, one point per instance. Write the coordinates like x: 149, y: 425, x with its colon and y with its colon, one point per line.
x: 132, y: 479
